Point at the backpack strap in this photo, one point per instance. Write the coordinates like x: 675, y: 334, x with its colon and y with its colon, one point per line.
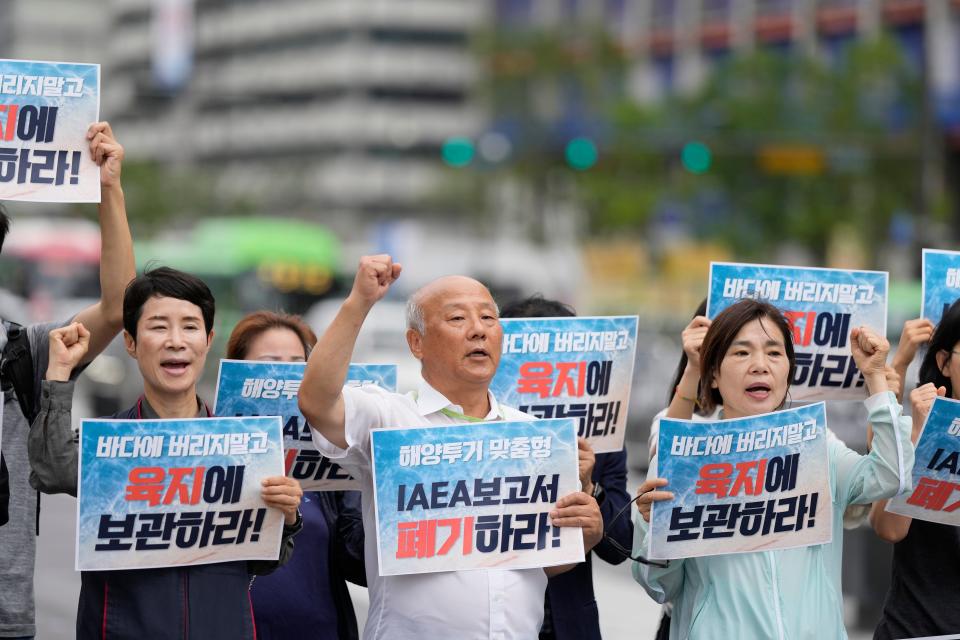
x: 16, y: 368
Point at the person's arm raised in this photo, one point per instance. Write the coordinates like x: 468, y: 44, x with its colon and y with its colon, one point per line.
x: 117, y: 268
x: 915, y: 334
x: 890, y: 526
x: 870, y: 351
x: 685, y: 396
x: 321, y: 397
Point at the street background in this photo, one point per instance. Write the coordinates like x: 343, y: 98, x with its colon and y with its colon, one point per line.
x: 601, y: 152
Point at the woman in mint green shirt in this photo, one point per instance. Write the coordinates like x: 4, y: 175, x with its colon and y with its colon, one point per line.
x: 745, y: 363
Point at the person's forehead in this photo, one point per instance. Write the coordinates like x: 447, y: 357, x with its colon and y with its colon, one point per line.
x: 466, y: 301
x: 274, y: 336
x: 166, y: 307
x: 759, y: 330
x: 458, y: 291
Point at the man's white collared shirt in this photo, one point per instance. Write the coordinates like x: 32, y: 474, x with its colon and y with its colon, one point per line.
x: 461, y: 605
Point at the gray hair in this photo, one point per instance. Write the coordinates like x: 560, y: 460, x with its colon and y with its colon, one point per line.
x: 415, y: 319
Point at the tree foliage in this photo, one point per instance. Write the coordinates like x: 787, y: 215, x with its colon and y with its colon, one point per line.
x: 860, y: 113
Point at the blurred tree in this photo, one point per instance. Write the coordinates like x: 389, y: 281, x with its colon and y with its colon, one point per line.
x: 789, y: 148
x: 157, y: 197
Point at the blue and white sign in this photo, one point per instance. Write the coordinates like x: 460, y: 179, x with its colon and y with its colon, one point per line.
x: 941, y: 282
x: 822, y: 306
x: 578, y: 368
x: 474, y: 496
x: 45, y: 111
x: 936, y: 469
x: 743, y: 485
x: 255, y: 388
x: 166, y: 493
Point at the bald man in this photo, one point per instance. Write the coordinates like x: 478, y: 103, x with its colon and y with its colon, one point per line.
x: 454, y: 330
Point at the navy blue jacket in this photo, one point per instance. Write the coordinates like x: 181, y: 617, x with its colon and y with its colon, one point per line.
x: 572, y: 605
x: 297, y: 599
x: 174, y: 603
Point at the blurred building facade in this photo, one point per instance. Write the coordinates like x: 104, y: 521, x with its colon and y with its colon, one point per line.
x: 337, y: 105
x: 343, y: 106
x: 674, y: 42
x: 58, y: 30
x: 334, y: 106
x: 669, y: 51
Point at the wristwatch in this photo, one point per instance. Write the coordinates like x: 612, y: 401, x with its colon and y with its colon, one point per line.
x: 598, y: 493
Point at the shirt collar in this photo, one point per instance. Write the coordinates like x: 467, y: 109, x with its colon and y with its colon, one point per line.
x: 429, y: 400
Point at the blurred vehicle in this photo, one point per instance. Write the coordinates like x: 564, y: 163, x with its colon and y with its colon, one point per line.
x: 253, y: 263
x: 49, y: 271
x: 52, y: 265
x: 250, y: 263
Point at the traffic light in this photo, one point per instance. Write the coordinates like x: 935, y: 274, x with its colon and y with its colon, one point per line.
x: 696, y: 157
x: 581, y: 153
x: 457, y: 151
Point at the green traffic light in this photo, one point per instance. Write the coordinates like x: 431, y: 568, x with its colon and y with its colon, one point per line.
x: 696, y: 157
x: 581, y: 153
x: 458, y: 152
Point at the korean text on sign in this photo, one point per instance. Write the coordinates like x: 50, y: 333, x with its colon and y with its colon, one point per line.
x: 743, y: 485
x: 473, y: 496
x: 45, y: 110
x: 822, y: 307
x: 578, y: 368
x: 936, y: 469
x: 941, y: 282
x: 253, y: 388
x: 159, y: 493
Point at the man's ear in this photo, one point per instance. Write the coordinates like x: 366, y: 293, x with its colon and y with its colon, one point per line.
x: 130, y: 343
x: 210, y: 338
x: 415, y: 342
x: 943, y: 362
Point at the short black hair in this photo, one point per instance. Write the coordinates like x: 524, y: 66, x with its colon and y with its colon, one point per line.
x: 536, y: 306
x: 164, y: 282
x: 4, y: 224
x: 944, y: 338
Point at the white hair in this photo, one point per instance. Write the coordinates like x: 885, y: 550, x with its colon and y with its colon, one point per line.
x: 415, y: 319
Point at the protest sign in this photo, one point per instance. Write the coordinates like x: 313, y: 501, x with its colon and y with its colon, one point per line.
x: 822, y: 306
x: 45, y: 111
x: 941, y: 282
x: 164, y: 493
x: 578, y: 368
x: 254, y: 388
x: 474, y: 496
x: 743, y: 485
x: 936, y: 469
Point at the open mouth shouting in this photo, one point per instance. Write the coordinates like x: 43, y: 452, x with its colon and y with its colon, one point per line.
x: 478, y: 354
x: 175, y: 366
x: 758, y: 391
